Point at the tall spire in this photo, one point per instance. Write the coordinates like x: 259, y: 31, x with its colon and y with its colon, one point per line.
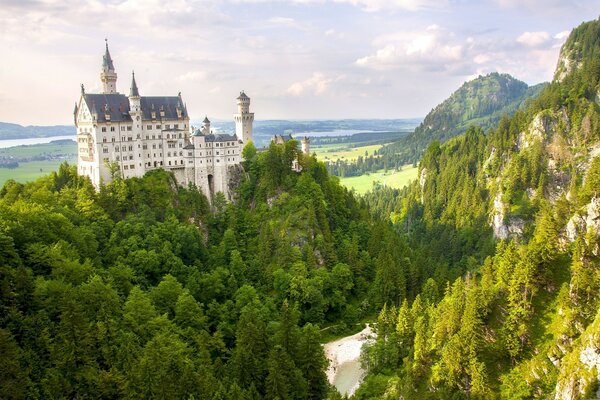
x: 108, y: 76
x: 134, y: 92
x: 107, y: 63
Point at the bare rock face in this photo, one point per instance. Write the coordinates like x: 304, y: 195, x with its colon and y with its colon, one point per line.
x: 500, y: 229
x: 581, y: 368
x: 586, y: 219
x: 422, y: 181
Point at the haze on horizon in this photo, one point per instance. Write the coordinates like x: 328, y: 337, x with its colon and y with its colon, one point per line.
x: 301, y: 59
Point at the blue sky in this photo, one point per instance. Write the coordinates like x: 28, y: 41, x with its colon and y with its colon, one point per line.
x: 303, y: 59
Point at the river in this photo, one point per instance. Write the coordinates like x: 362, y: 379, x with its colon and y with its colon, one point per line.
x: 344, y: 371
x: 18, y: 142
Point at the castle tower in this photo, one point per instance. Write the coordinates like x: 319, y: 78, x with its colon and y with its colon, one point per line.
x: 244, y: 118
x: 134, y: 98
x: 306, y: 145
x: 108, y: 76
x: 205, y: 126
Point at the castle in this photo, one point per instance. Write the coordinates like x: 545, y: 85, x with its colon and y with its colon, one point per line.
x: 131, y: 135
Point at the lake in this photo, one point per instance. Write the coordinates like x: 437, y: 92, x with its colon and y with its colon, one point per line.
x: 19, y: 142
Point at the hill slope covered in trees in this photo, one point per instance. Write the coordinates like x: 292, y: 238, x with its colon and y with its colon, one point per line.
x: 516, y: 212
x: 481, y: 101
x: 141, y: 290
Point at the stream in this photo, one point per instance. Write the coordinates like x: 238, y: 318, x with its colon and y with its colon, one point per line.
x: 345, y: 372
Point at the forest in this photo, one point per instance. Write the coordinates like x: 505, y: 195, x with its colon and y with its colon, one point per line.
x: 143, y: 290
x: 482, y: 276
x: 518, y: 316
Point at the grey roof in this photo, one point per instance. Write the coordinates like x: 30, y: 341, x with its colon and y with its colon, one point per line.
x: 134, y: 92
x: 107, y: 63
x: 206, y: 120
x: 117, y: 105
x: 243, y: 96
x: 284, y: 138
x: 189, y: 147
x: 221, y: 137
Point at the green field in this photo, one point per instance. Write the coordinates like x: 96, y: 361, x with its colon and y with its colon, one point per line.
x: 30, y: 171
x: 49, y: 149
x: 394, y: 179
x: 336, y: 151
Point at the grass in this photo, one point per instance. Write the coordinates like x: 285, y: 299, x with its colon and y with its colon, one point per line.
x: 344, y: 151
x: 394, y: 179
x: 30, y: 171
x: 49, y: 149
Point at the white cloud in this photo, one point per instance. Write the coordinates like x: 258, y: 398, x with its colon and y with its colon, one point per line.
x: 282, y: 21
x: 192, y: 76
x: 317, y: 84
x: 408, y: 5
x: 533, y: 39
x: 562, y: 35
x: 431, y: 49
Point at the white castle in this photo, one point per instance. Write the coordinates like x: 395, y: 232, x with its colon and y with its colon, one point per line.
x: 131, y: 135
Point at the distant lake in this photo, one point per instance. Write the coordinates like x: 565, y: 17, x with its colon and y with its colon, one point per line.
x: 336, y: 132
x: 19, y: 142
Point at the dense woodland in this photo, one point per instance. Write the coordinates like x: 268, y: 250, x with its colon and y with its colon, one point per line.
x: 143, y: 290
x: 516, y: 322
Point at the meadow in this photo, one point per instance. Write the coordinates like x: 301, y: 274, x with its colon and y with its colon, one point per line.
x: 335, y: 151
x: 394, y: 179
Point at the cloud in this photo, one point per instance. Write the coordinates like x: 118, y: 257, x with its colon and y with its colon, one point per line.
x: 533, y: 39
x: 282, y: 21
x: 431, y: 49
x: 562, y: 35
x: 317, y: 84
x: 407, y: 5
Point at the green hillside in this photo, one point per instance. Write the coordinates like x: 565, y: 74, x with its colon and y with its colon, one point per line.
x: 509, y: 221
x: 480, y: 102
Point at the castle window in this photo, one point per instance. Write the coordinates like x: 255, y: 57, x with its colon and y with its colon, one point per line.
x: 180, y: 136
x: 117, y: 158
x: 218, y: 160
x: 112, y: 128
x: 112, y: 140
x: 130, y: 157
x: 190, y: 162
x: 154, y: 146
x: 125, y: 167
x: 169, y: 154
x: 157, y: 127
x: 145, y: 146
x: 129, y: 128
x: 105, y: 159
x: 160, y: 145
x: 148, y: 127
x: 122, y: 128
x: 189, y: 153
x: 105, y: 149
x: 130, y: 148
x: 103, y: 140
x: 116, y: 148
x: 124, y: 148
x: 103, y: 129
x: 122, y: 138
x: 167, y: 126
x: 180, y: 145
x: 129, y: 139
x: 153, y: 137
x: 169, y: 162
x: 181, y: 153
x: 132, y: 166
x: 176, y: 126
x: 147, y: 137
x: 160, y: 136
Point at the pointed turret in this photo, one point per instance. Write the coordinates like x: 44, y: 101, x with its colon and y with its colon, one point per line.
x: 107, y: 63
x: 108, y: 76
x: 134, y: 92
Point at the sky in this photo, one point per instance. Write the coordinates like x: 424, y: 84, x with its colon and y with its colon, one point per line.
x: 297, y: 59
